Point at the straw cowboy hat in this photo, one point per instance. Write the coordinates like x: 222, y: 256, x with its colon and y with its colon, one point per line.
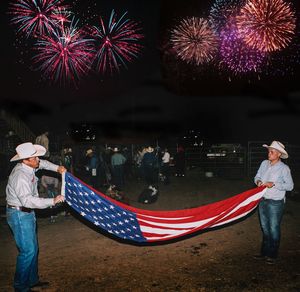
x: 279, y: 147
x: 89, y: 151
x: 28, y: 150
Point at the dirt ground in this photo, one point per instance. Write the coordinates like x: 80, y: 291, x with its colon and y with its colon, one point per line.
x: 75, y: 257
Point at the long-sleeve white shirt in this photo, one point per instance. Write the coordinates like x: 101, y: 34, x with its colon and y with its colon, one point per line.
x: 166, y: 157
x: 279, y: 174
x: 21, y: 189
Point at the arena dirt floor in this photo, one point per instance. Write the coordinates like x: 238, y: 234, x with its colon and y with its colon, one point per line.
x: 75, y: 257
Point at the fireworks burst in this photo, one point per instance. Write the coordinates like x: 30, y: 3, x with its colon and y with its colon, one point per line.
x: 65, y: 55
x: 36, y: 17
x: 116, y: 42
x: 267, y: 25
x: 221, y: 10
x: 194, y: 40
x: 236, y: 55
x: 61, y: 16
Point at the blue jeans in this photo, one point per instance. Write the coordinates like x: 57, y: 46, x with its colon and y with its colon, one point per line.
x: 270, y: 215
x: 23, y: 226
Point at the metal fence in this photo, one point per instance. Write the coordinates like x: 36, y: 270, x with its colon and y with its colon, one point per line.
x: 256, y: 154
x: 226, y: 161
x: 223, y: 160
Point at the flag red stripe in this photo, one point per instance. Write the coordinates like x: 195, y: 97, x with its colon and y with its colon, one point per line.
x: 222, y: 218
x: 205, y: 210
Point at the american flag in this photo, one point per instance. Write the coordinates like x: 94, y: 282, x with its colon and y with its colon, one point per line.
x: 140, y: 225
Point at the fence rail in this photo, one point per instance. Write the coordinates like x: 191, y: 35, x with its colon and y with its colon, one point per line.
x: 229, y: 163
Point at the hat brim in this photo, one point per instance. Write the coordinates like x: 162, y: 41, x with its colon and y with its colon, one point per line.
x: 40, y: 151
x: 284, y: 154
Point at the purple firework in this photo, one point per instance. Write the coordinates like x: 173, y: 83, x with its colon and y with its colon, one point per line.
x: 116, y: 42
x: 37, y: 17
x: 65, y: 55
x: 235, y: 54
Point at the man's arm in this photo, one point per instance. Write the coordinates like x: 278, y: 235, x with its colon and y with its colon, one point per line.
x: 288, y: 183
x: 45, y: 164
x: 259, y: 174
x: 23, y: 189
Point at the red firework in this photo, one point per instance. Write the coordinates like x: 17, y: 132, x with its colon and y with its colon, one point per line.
x: 37, y: 17
x: 116, y: 42
x: 65, y: 55
x: 194, y: 40
x: 267, y: 25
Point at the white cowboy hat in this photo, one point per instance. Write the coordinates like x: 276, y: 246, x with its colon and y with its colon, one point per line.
x: 27, y: 150
x: 279, y: 147
x: 116, y: 149
x: 89, y: 151
x: 149, y: 149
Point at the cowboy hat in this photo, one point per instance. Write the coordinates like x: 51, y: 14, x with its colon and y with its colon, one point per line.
x: 149, y: 149
x: 27, y: 150
x: 279, y: 147
x: 116, y: 149
x: 89, y: 151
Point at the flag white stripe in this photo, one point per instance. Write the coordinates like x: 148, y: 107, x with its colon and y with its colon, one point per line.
x: 149, y: 229
x: 246, y: 202
x: 234, y: 218
x: 164, y: 218
x: 254, y: 197
x: 63, y: 184
x: 178, y: 225
x: 176, y: 233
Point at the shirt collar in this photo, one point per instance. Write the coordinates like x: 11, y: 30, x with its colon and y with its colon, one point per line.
x: 278, y: 163
x: 27, y: 168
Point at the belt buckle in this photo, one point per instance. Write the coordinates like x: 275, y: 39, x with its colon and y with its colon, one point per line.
x: 24, y: 209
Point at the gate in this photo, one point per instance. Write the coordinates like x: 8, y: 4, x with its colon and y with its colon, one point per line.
x: 257, y: 153
x: 224, y: 160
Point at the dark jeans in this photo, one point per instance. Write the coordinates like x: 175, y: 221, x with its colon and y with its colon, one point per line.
x: 23, y: 226
x: 151, y: 175
x: 270, y: 215
x: 118, y: 176
x: 166, y: 172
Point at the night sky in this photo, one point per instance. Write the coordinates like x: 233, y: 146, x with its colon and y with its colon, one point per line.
x: 158, y: 94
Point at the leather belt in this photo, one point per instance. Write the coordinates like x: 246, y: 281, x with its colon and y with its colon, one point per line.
x: 23, y: 209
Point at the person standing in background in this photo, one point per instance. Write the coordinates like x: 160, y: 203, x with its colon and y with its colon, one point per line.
x: 50, y: 184
x: 67, y: 159
x: 166, y: 166
x: 92, y: 168
x: 118, y: 161
x: 150, y: 166
x: 180, y: 162
x: 43, y: 140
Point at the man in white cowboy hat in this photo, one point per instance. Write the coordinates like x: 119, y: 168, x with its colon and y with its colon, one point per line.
x: 276, y: 176
x: 22, y: 198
